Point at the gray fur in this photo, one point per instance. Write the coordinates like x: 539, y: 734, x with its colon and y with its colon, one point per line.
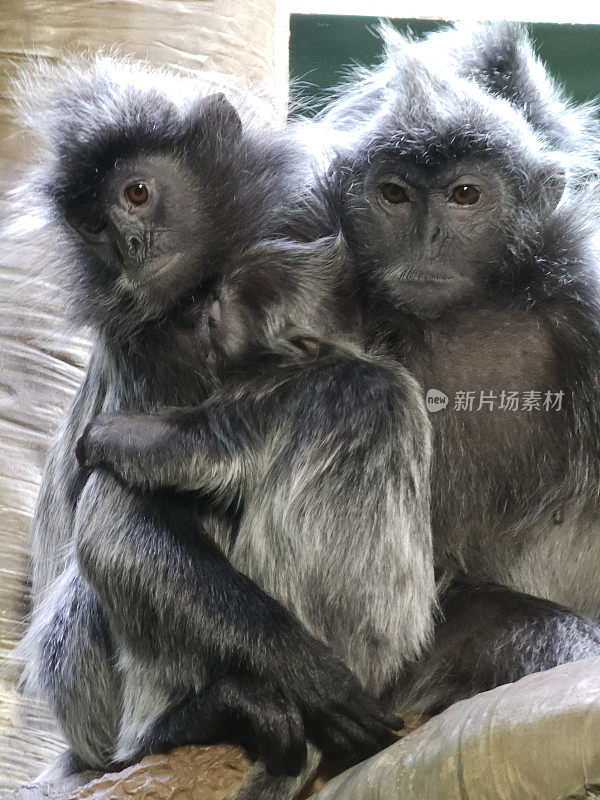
x: 500, y: 296
x: 499, y: 56
x: 131, y: 593
x: 371, y: 628
x: 489, y: 635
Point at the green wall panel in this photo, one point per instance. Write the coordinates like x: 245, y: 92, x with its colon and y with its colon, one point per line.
x: 321, y: 46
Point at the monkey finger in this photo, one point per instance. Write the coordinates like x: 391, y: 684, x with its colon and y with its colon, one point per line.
x: 333, y: 737
x: 87, y: 450
x: 294, y: 754
x: 378, y: 731
x: 369, y: 737
x: 347, y: 743
x: 297, y: 753
x: 365, y: 712
x: 80, y: 449
x: 282, y: 742
x: 266, y: 722
x: 373, y: 719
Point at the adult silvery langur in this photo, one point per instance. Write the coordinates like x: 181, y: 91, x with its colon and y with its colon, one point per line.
x: 227, y: 611
x: 468, y: 196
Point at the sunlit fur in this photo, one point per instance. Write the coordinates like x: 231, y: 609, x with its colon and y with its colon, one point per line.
x: 499, y: 56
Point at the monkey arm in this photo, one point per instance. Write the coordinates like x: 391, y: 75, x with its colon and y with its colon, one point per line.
x: 62, y: 481
x: 216, y: 447
x: 182, y: 449
x: 225, y: 445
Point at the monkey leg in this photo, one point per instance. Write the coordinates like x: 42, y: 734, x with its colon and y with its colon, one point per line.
x: 489, y: 635
x: 183, y: 617
x: 260, y: 785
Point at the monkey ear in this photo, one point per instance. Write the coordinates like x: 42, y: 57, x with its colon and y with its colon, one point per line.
x: 498, y: 55
x: 501, y: 57
x: 215, y: 115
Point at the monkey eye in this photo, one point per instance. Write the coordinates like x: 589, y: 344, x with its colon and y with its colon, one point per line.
x: 137, y: 193
x: 393, y: 193
x: 466, y: 195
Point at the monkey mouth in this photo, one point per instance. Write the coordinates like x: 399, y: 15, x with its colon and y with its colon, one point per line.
x: 410, y: 276
x: 425, y: 279
x: 405, y: 273
x: 154, y: 269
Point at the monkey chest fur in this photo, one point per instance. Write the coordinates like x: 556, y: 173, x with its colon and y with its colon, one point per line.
x: 506, y: 485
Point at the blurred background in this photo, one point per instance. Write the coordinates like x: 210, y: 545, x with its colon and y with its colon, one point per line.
x: 322, y: 46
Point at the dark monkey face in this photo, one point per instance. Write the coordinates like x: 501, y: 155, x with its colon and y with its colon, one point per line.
x: 154, y: 190
x: 148, y: 223
x: 436, y: 193
x: 437, y: 231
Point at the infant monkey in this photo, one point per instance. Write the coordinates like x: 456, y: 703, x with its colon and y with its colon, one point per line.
x: 226, y: 612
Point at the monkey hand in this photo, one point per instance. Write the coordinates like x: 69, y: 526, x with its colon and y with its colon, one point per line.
x: 241, y: 709
x: 340, y: 717
x: 135, y: 447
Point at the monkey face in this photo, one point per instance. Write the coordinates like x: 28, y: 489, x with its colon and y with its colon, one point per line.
x: 146, y: 223
x: 430, y: 236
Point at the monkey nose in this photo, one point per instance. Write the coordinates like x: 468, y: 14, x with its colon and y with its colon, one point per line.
x: 436, y: 240
x: 134, y: 245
